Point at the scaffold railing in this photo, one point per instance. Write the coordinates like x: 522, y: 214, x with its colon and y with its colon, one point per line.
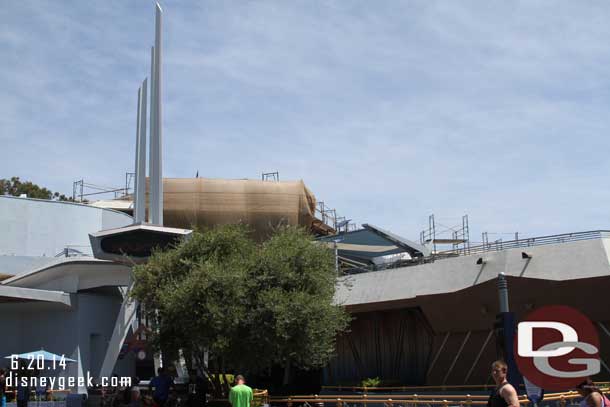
x: 528, y: 242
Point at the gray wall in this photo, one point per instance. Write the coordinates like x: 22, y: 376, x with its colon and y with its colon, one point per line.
x: 563, y: 261
x: 31, y: 326
x: 35, y: 227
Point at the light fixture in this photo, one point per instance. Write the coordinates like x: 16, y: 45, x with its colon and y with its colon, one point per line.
x: 525, y: 255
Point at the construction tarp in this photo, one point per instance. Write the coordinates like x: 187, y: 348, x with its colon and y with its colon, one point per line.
x: 263, y: 205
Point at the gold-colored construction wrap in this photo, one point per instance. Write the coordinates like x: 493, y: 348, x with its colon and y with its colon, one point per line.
x: 263, y: 205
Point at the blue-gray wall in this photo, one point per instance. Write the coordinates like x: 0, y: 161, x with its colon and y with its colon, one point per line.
x: 36, y: 227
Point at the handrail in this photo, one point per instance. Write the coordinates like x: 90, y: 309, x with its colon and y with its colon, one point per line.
x: 395, y: 396
x: 406, y: 388
x: 490, y: 247
x: 442, y: 388
x: 528, y: 242
x: 388, y: 402
x: 444, y: 400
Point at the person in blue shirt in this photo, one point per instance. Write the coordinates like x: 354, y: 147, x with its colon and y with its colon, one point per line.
x: 162, y: 384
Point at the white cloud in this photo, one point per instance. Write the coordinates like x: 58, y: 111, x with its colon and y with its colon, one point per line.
x: 389, y: 112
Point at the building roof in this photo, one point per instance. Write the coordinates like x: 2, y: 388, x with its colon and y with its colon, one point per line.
x: 364, y: 245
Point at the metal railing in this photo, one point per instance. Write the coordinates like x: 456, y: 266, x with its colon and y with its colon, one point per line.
x: 490, y: 247
x: 528, y: 242
x: 76, y: 251
x: 414, y: 400
x: 367, y: 389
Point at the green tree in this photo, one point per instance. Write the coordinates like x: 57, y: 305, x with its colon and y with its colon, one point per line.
x: 252, y: 306
x: 292, y: 290
x: 15, y: 187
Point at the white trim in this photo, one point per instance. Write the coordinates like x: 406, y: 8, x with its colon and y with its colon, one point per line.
x: 32, y: 294
x: 65, y: 203
x: 66, y: 261
x: 438, y: 353
x: 457, y: 355
x: 476, y: 360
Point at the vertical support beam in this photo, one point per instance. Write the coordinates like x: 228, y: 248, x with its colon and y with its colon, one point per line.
x: 156, y: 150
x: 127, y: 314
x: 151, y: 163
x: 457, y: 355
x: 140, y: 170
x: 81, y: 373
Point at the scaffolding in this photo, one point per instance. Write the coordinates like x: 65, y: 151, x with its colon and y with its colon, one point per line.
x: 271, y: 176
x: 458, y: 236
x: 329, y: 217
x: 81, y: 189
x: 498, y: 242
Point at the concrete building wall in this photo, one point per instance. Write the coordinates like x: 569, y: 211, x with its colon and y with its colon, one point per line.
x: 558, y: 262
x: 34, y: 326
x: 96, y: 317
x: 83, y: 330
x: 458, y: 299
x: 36, y: 227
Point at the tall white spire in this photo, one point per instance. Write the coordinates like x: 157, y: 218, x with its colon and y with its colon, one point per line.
x: 140, y: 170
x: 156, y: 130
x: 151, y: 161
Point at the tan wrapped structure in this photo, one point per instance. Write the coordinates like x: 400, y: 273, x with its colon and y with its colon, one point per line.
x: 263, y: 205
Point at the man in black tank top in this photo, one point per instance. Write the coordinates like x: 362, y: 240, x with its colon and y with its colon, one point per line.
x: 504, y: 395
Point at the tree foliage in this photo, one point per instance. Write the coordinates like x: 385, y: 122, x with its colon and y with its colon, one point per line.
x: 251, y: 305
x: 16, y: 187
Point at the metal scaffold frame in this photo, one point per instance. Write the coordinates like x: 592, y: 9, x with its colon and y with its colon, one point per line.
x: 438, y: 235
x: 82, y: 189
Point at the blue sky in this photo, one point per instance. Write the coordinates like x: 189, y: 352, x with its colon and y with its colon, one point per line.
x: 389, y: 111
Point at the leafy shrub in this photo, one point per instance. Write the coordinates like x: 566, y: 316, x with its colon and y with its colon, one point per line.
x: 371, y: 382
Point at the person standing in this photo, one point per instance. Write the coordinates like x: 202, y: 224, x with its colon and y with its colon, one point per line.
x: 2, y: 388
x: 240, y: 394
x: 162, y: 384
x: 504, y: 395
x: 134, y: 392
x: 198, y: 389
x: 23, y: 391
x: 591, y: 395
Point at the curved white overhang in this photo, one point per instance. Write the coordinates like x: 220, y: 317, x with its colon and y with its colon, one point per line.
x: 134, y: 243
x: 73, y: 275
x: 20, y: 294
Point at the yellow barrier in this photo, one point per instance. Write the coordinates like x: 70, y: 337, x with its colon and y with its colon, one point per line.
x: 408, y: 388
x: 414, y: 400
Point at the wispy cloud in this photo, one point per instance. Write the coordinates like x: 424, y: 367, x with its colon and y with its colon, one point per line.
x: 388, y: 111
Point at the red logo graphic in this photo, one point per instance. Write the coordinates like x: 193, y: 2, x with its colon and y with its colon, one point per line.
x: 557, y: 347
